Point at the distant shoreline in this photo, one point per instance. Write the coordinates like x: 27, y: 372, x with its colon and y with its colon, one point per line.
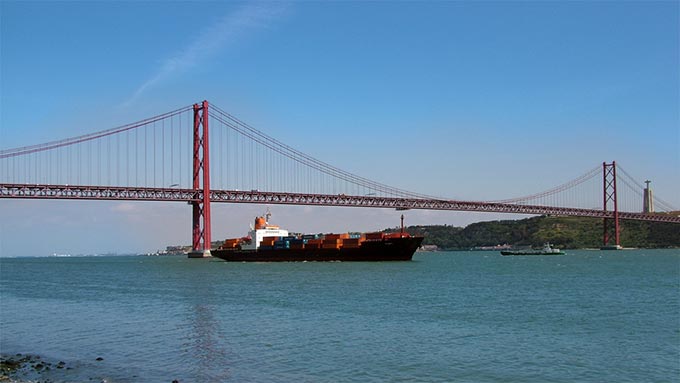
x: 567, y: 233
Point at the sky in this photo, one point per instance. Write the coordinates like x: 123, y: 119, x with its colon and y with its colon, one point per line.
x: 469, y: 100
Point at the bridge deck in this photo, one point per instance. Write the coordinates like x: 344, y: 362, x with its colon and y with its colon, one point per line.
x: 80, y: 192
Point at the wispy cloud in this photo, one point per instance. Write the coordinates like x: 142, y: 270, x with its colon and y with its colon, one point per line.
x: 123, y: 207
x: 212, y: 40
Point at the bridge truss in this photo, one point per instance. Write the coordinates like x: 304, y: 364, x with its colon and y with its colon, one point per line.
x: 76, y: 192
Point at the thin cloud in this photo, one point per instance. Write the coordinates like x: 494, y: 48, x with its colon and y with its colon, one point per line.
x: 212, y: 40
x: 124, y: 207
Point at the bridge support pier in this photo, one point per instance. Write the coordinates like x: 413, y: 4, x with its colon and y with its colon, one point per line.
x: 200, y: 231
x: 200, y: 254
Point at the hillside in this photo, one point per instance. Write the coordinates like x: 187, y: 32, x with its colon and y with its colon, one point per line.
x: 563, y: 232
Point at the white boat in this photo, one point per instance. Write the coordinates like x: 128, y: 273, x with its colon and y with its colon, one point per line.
x: 546, y: 250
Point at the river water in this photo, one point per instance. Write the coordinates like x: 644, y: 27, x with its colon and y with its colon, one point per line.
x: 588, y: 316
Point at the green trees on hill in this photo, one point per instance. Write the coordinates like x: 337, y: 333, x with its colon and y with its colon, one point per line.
x: 563, y: 232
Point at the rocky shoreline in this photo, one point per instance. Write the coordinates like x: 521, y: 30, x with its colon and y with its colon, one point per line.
x: 26, y: 368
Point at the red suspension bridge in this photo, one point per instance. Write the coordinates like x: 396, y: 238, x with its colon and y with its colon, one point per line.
x: 168, y: 158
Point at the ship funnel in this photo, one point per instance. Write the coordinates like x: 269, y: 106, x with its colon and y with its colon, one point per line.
x: 260, y: 223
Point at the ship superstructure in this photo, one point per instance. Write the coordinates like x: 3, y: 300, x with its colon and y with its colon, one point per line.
x: 259, y: 232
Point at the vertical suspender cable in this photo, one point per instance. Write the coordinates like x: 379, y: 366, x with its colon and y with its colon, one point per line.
x: 154, y: 138
x: 163, y: 161
x: 181, y: 149
x: 172, y: 150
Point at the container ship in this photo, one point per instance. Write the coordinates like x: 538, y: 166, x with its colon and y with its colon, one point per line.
x: 270, y: 243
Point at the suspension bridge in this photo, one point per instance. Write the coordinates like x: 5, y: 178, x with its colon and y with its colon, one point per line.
x: 200, y: 154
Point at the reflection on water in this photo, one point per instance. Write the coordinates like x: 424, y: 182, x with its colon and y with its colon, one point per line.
x: 202, y: 348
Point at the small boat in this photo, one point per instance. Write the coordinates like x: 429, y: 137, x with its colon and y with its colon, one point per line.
x: 546, y: 250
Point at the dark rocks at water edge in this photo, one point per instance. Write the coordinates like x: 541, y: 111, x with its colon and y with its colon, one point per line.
x: 20, y: 366
x: 32, y: 368
x: 26, y: 368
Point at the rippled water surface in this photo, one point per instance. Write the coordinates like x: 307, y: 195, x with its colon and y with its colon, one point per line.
x: 588, y: 316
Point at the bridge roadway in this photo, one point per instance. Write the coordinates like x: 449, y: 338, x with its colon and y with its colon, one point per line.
x: 79, y: 192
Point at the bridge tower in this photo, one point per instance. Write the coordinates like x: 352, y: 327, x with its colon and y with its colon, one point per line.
x: 611, y: 225
x: 200, y: 234
x: 648, y: 201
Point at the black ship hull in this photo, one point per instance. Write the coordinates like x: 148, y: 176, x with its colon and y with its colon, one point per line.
x: 389, y: 249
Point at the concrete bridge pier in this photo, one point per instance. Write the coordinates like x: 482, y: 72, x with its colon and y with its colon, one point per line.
x: 200, y: 254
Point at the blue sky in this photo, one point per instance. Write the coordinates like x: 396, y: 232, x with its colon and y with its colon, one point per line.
x: 470, y: 100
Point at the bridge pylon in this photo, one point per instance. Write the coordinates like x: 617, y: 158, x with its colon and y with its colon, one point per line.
x: 200, y: 234
x: 611, y: 225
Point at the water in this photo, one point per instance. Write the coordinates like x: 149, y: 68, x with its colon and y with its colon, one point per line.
x: 589, y: 316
